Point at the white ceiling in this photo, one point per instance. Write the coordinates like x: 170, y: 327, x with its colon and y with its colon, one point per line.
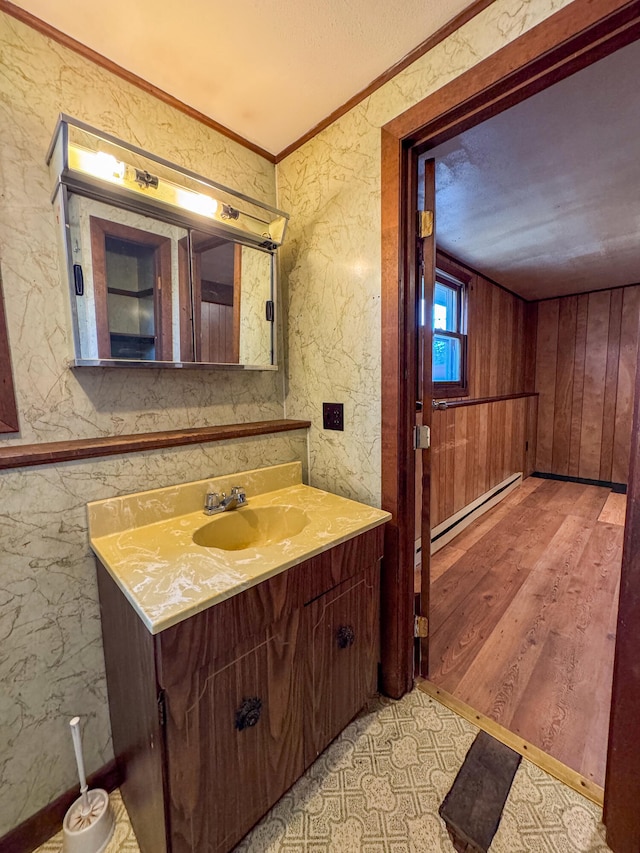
x: 545, y: 197
x: 270, y: 71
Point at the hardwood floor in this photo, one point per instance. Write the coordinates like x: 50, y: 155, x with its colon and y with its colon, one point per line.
x: 523, y: 617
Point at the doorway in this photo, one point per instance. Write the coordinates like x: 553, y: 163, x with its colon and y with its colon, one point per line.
x: 571, y: 39
x: 536, y: 301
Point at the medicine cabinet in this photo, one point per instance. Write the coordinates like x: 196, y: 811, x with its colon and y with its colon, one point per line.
x: 165, y: 268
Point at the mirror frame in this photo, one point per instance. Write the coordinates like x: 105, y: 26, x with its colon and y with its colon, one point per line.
x: 246, y: 222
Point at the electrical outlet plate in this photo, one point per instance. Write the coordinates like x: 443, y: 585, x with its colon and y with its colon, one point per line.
x: 333, y: 416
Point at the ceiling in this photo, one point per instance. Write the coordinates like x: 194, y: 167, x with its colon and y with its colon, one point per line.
x: 269, y: 71
x: 545, y: 197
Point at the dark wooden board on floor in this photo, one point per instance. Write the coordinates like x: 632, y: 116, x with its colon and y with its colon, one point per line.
x: 473, y: 807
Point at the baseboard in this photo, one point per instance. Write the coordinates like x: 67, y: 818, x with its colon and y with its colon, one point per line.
x: 41, y: 826
x: 451, y: 527
x: 618, y: 488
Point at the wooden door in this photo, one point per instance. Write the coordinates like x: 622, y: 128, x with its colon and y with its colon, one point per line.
x: 343, y: 653
x: 427, y: 276
x: 234, y: 733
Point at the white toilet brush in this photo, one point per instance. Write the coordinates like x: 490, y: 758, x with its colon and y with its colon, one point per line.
x: 88, y: 825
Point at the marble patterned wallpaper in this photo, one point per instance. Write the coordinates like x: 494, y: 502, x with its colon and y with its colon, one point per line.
x: 331, y: 259
x: 51, y: 661
x: 38, y: 80
x: 51, y: 664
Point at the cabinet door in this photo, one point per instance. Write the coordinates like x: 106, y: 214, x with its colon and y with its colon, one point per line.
x: 234, y: 739
x: 342, y: 655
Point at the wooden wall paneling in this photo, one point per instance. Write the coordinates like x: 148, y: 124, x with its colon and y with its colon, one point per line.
x: 530, y: 319
x: 481, y: 453
x: 436, y: 450
x: 450, y: 442
x: 509, y: 423
x: 517, y: 457
x: 475, y: 448
x: 590, y: 377
x: 626, y: 383
x: 482, y: 382
x: 567, y: 316
x: 497, y: 414
x: 441, y: 489
x: 478, y: 336
x: 531, y: 435
x: 519, y: 344
x: 472, y: 437
x: 546, y: 358
x: 508, y: 358
x: 491, y: 321
x: 611, y: 384
x: 578, y: 384
x: 460, y: 418
x: 595, y: 367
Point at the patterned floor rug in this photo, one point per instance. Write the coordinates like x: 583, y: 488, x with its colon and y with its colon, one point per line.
x: 378, y: 787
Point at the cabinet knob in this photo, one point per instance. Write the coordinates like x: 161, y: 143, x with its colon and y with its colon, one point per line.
x: 248, y: 713
x: 346, y: 636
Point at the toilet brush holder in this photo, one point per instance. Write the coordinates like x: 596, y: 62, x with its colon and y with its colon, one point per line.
x: 88, y: 824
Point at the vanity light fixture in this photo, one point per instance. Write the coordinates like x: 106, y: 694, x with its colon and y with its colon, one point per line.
x: 90, y: 162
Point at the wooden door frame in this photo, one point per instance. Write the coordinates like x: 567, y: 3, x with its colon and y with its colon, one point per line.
x: 571, y: 39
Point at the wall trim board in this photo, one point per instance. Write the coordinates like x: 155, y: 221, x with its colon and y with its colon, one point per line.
x: 443, y: 405
x: 448, y: 529
x: 617, y: 488
x: 582, y: 293
x: 93, y: 56
x: 41, y: 826
x: 88, y: 53
x: 424, y: 47
x: 52, y: 452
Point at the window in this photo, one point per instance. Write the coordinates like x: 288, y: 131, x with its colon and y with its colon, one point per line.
x: 449, y: 368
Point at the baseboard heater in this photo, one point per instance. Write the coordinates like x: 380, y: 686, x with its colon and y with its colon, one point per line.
x: 451, y: 527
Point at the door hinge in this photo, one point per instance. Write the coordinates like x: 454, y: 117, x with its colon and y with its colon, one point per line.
x: 421, y: 437
x: 421, y: 627
x: 162, y: 709
x: 425, y: 223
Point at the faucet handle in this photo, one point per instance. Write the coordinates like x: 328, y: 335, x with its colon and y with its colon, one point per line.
x: 212, y: 501
x: 240, y: 495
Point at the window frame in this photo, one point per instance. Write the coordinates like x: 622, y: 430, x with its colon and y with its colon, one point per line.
x: 452, y: 276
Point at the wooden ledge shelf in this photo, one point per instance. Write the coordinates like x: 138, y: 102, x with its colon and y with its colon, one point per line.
x: 48, y: 453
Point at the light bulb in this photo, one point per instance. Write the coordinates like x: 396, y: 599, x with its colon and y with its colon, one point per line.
x: 196, y: 202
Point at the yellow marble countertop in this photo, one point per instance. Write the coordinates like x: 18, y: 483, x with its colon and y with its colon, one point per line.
x: 145, y: 540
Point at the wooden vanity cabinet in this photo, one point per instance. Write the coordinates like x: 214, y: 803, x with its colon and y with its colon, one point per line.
x: 215, y: 718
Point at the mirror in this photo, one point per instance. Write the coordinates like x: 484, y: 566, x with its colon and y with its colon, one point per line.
x: 163, y: 269
x: 232, y: 293
x: 126, y: 274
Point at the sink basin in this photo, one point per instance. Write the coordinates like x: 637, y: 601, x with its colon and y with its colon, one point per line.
x: 251, y: 528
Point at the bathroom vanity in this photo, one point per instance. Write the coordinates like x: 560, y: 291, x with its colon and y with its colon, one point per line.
x: 231, y: 668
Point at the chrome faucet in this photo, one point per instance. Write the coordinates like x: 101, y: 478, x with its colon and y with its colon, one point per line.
x: 220, y: 502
